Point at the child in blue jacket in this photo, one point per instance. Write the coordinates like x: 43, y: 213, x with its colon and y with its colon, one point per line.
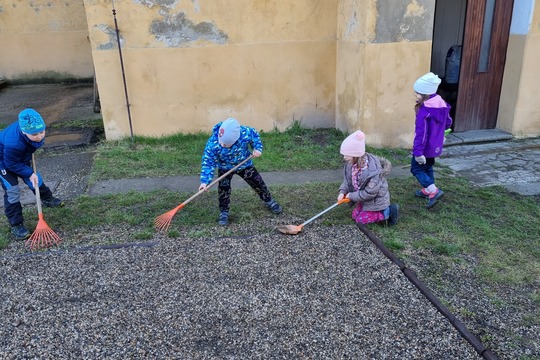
x: 17, y: 144
x: 432, y: 119
x: 230, y: 144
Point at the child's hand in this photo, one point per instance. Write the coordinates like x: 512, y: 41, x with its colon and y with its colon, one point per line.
x: 420, y: 159
x: 256, y: 153
x: 203, y: 187
x: 340, y: 197
x: 34, y: 179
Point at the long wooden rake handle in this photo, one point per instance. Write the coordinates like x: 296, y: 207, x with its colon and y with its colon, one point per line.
x: 344, y: 200
x: 36, y: 188
x: 163, y: 221
x: 219, y: 179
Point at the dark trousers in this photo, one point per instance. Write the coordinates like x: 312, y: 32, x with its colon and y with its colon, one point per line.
x: 12, y: 195
x: 251, y: 176
x: 423, y: 172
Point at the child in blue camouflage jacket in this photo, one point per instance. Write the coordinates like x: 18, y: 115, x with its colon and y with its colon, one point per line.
x: 230, y: 144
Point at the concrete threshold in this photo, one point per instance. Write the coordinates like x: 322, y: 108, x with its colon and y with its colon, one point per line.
x: 477, y: 136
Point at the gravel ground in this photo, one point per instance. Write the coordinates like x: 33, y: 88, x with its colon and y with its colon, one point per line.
x: 325, y: 293
x: 505, y: 319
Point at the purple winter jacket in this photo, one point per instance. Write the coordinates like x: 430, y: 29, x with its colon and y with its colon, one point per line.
x: 432, y: 119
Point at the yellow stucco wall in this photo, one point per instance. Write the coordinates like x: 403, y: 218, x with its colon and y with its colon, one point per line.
x: 262, y: 62
x: 328, y: 63
x: 511, y: 82
x: 527, y: 114
x: 44, y: 39
x: 374, y: 79
x: 377, y: 97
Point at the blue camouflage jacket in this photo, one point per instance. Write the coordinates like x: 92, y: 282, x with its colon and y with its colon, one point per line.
x: 16, y: 150
x: 224, y: 158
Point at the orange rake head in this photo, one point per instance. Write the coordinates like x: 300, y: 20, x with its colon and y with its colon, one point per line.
x: 43, y: 236
x: 162, y: 222
x: 290, y: 229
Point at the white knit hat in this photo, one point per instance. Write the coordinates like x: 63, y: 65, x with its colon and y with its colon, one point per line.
x: 427, y: 84
x: 354, y: 145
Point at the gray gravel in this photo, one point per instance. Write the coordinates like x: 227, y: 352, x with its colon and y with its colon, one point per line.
x: 325, y: 293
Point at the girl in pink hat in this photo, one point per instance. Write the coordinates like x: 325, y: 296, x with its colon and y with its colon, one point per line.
x: 364, y: 182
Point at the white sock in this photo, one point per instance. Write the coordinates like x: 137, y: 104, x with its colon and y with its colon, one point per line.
x: 431, y: 189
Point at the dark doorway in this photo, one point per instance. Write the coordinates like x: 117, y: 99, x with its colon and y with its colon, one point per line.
x: 479, y: 30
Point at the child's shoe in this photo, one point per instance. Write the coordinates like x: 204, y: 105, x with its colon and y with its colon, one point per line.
x: 223, y: 218
x: 394, y: 214
x: 20, y: 232
x: 52, y: 202
x: 433, y: 197
x: 274, y: 206
x: 422, y: 193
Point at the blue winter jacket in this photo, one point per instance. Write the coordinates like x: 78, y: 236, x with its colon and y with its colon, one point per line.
x: 16, y: 151
x: 432, y: 119
x: 224, y: 158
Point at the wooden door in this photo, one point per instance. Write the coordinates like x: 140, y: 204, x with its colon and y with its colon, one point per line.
x: 487, y: 27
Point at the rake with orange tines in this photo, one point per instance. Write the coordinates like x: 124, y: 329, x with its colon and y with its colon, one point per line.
x: 296, y: 229
x: 43, y: 236
x: 163, y: 222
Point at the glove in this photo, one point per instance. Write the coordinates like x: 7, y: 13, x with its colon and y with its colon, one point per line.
x: 420, y: 159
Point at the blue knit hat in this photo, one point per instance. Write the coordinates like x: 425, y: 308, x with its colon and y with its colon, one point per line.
x: 229, y: 131
x: 31, y: 122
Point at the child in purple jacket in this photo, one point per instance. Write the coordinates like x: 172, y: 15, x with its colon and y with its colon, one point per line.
x: 432, y: 119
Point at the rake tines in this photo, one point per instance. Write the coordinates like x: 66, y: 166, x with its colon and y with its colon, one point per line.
x: 43, y: 236
x: 162, y: 222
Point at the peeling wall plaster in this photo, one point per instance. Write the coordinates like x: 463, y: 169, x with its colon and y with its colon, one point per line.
x: 163, y: 4
x: 352, y: 25
x: 404, y: 21
x: 177, y: 30
x: 111, y: 33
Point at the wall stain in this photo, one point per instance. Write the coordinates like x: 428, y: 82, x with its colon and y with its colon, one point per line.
x: 351, y: 26
x: 196, y: 6
x: 404, y: 21
x: 163, y: 4
x: 111, y: 33
x: 177, y: 30
x: 37, y: 7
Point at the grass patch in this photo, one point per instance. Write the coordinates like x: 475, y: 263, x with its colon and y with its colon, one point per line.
x: 498, y: 227
x: 469, y: 221
x: 77, y: 123
x: 178, y: 154
x: 292, y: 150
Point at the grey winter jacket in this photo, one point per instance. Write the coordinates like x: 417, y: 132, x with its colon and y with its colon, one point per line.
x: 373, y: 188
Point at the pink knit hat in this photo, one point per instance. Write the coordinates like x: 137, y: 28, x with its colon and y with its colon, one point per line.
x: 354, y: 145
